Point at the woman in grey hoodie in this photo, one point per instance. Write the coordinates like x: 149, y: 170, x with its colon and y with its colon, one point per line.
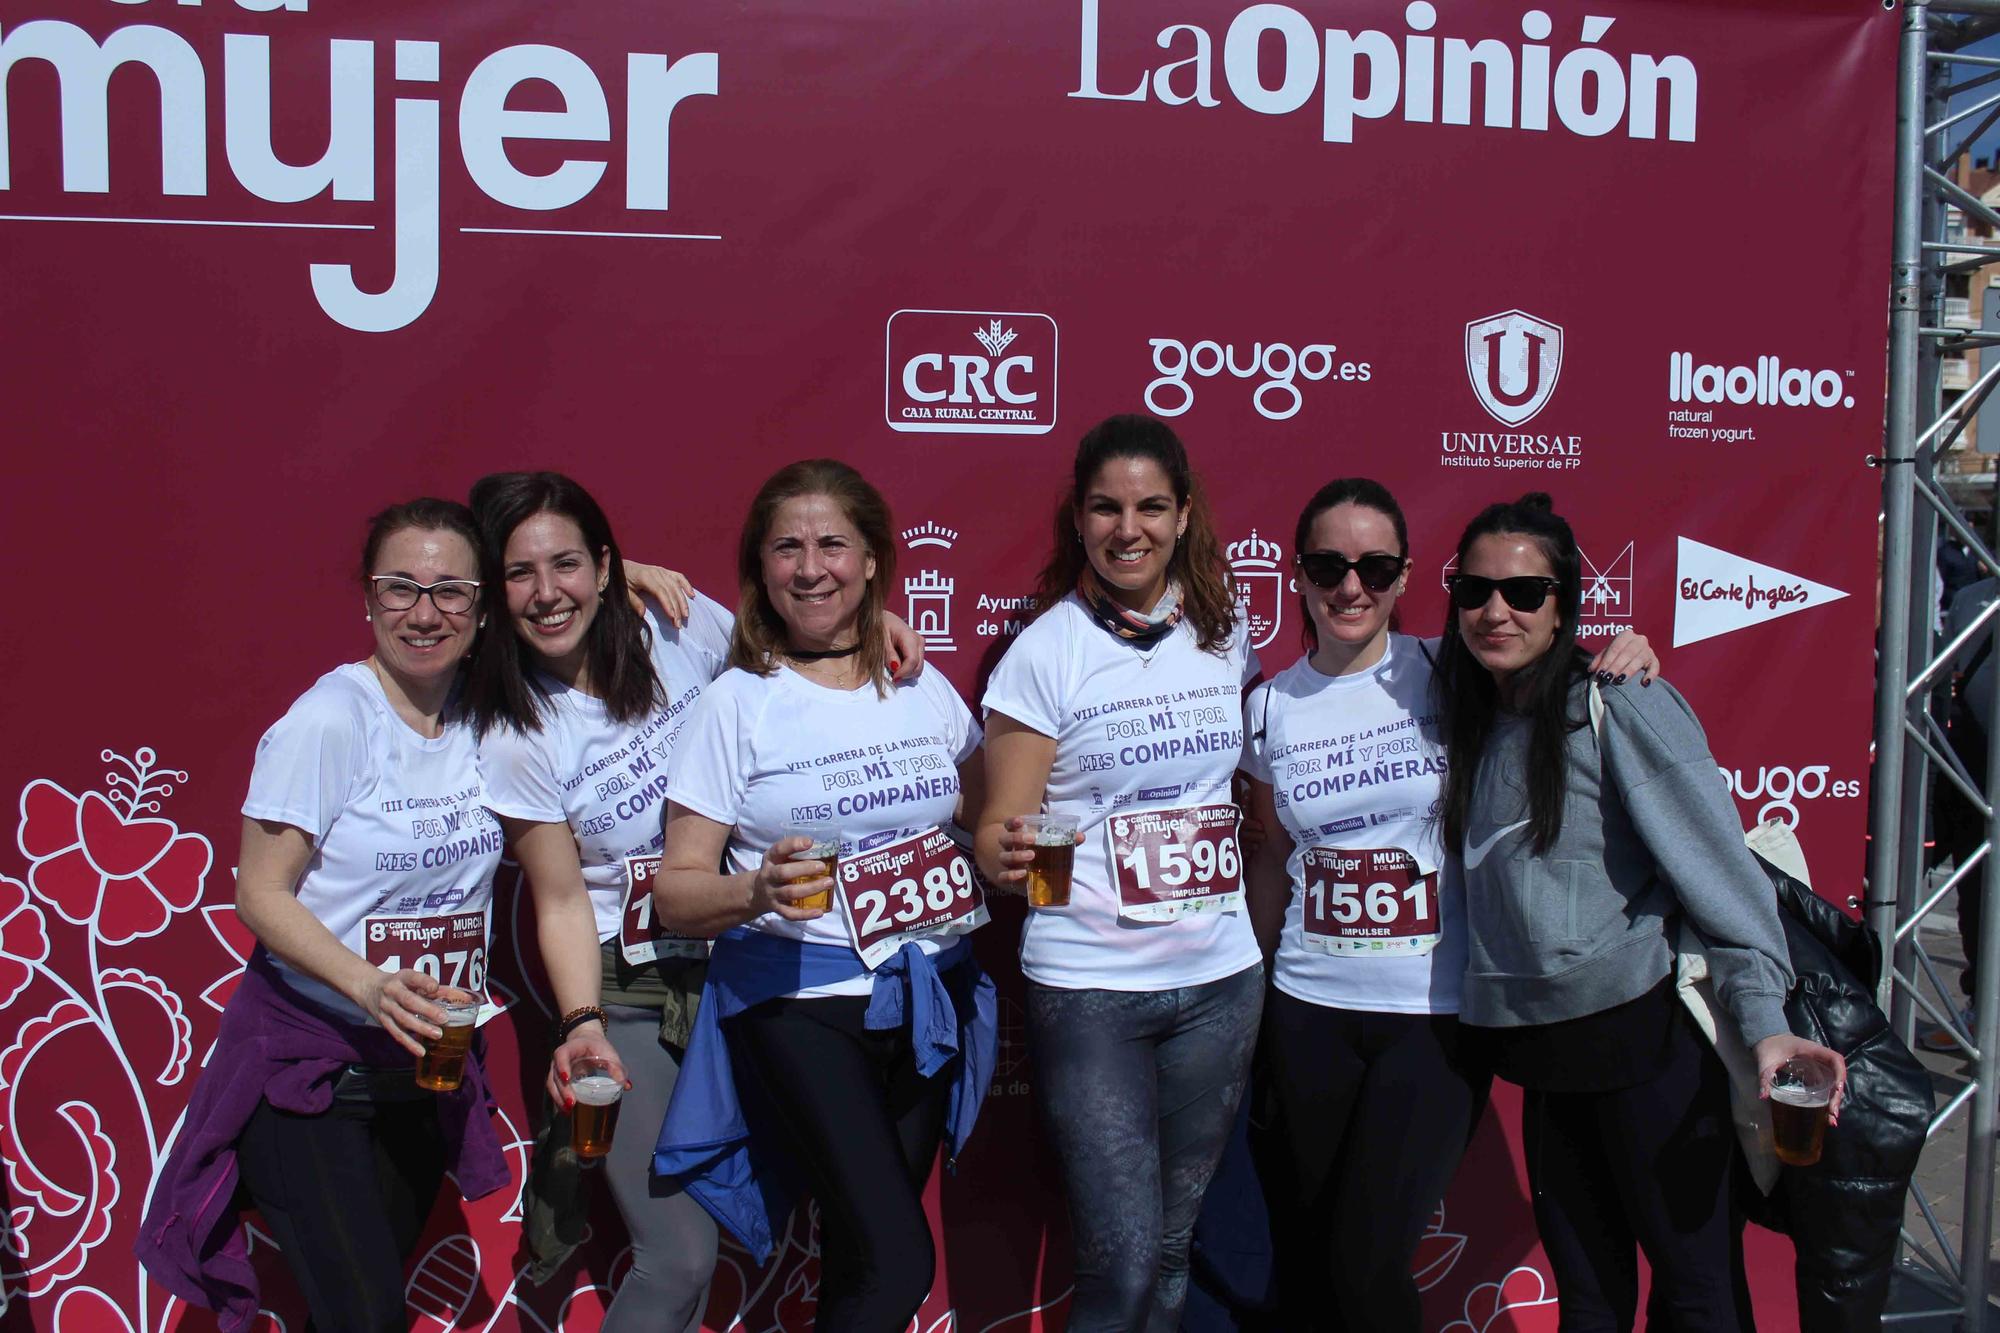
x: 1585, y: 848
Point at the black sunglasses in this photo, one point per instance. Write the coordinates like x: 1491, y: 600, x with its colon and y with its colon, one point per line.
x: 1325, y: 569
x: 1524, y: 592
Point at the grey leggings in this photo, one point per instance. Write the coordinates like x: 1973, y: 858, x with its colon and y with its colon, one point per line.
x: 1137, y: 1092
x: 673, y: 1238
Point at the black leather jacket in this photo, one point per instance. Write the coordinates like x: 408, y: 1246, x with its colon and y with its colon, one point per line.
x: 1844, y: 1213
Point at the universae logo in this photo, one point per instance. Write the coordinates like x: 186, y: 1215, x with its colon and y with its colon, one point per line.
x: 1513, y: 360
x: 970, y: 372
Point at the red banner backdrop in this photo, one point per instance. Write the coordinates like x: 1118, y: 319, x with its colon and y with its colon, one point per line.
x: 271, y: 264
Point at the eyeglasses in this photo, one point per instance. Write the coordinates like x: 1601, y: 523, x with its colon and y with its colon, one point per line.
x: 1524, y: 592
x: 1325, y: 569
x: 451, y: 597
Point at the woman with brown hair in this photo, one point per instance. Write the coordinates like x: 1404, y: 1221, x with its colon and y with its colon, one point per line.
x: 854, y: 1002
x: 1119, y: 706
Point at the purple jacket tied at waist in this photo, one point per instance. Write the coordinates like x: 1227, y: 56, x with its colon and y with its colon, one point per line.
x: 705, y: 1143
x: 275, y: 1046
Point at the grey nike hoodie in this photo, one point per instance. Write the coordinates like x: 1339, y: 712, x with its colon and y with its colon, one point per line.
x: 1648, y: 834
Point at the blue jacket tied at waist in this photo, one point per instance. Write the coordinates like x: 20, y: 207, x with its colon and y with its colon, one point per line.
x: 947, y: 1002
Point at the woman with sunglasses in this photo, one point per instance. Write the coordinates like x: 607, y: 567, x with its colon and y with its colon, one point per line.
x: 1119, y: 707
x: 1354, y: 894
x: 1589, y: 842
x: 309, y: 1098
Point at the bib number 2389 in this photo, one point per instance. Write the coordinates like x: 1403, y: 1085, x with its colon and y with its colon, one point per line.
x: 1171, y: 862
x: 912, y: 888
x: 1368, y: 901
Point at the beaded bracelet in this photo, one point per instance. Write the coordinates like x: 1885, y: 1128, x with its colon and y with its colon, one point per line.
x: 576, y: 1018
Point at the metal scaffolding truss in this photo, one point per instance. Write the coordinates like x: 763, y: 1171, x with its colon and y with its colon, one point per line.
x: 1911, y: 751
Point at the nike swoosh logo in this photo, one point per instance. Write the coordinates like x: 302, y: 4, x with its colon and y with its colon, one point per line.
x: 1476, y: 852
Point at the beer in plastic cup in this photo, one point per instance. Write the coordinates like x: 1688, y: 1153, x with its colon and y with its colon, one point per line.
x: 1800, y: 1093
x: 595, y: 1115
x: 441, y: 1068
x: 1054, y: 845
x: 825, y: 849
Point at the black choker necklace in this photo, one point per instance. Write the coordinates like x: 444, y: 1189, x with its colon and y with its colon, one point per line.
x: 801, y: 655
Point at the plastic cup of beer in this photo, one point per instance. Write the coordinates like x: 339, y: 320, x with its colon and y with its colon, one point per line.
x: 441, y: 1068
x: 1053, y: 841
x: 1800, y: 1093
x: 825, y: 849
x: 595, y: 1115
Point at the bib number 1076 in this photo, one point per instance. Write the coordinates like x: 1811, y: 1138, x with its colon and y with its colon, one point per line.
x: 451, y: 950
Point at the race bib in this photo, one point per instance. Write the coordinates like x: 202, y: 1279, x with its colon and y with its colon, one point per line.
x: 1364, y: 901
x: 641, y: 939
x: 451, y: 950
x: 1170, y: 862
x: 916, y: 886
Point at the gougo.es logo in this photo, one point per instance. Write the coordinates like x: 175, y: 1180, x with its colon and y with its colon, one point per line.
x: 1277, y: 398
x: 1779, y: 788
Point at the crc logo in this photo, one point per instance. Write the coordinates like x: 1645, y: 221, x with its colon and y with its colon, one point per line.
x: 1260, y: 586
x: 927, y: 607
x: 1606, y: 609
x: 1513, y: 360
x: 1174, y: 361
x: 1781, y: 788
x: 970, y: 372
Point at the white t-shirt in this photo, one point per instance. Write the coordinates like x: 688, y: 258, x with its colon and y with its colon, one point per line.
x: 760, y: 752
x: 607, y: 780
x: 1357, y: 762
x: 1160, y: 726
x: 396, y: 819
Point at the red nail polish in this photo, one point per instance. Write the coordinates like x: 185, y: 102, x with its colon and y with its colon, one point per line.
x: 894, y: 666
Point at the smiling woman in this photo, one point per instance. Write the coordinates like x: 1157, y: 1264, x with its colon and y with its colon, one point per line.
x: 335, y: 880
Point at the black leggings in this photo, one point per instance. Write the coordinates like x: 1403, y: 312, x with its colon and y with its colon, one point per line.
x: 865, y: 1125
x: 346, y: 1193
x: 1374, y: 1110
x: 1647, y: 1167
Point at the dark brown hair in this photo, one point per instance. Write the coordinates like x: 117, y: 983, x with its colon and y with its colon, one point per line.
x: 1469, y: 698
x: 504, y: 686
x: 761, y: 637
x: 426, y: 514
x: 1208, y: 598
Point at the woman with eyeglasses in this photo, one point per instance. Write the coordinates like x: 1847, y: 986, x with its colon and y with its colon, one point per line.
x: 1590, y: 842
x: 1362, y: 907
x: 364, y: 837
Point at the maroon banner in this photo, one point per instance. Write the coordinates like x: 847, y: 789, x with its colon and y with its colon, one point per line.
x: 272, y: 264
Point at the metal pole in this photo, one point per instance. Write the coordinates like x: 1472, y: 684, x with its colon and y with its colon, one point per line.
x: 1885, y: 797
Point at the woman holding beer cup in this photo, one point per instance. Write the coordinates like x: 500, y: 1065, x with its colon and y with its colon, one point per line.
x: 853, y: 999
x: 1587, y: 842
x: 1355, y: 894
x: 366, y: 871
x: 579, y: 700
x: 1119, y: 708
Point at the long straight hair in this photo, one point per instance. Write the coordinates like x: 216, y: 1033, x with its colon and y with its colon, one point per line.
x: 1208, y: 597
x: 505, y: 687
x: 761, y: 637
x: 1469, y: 698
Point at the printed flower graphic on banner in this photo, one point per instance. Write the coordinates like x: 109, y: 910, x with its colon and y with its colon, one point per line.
x: 24, y: 939
x: 1523, y: 1288
x: 1437, y: 1254
x: 100, y: 862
